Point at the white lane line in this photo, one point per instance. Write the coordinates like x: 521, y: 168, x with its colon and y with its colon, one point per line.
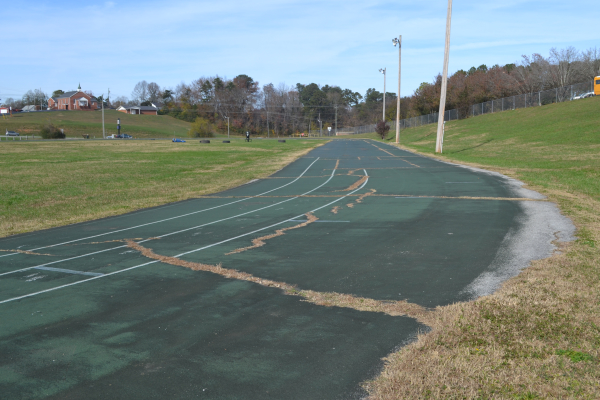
x: 69, y: 271
x: 169, y: 219
x: 182, y: 254
x: 63, y: 260
x: 173, y: 233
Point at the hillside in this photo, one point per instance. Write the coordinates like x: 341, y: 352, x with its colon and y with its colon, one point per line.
x: 552, y: 146
x: 77, y: 123
x: 538, y: 336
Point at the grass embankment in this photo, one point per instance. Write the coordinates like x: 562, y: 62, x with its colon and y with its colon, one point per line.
x: 77, y: 123
x: 46, y: 184
x: 539, y: 335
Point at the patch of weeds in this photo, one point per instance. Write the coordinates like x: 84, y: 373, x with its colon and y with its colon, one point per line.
x: 575, y: 356
x: 527, y: 396
x: 585, y: 237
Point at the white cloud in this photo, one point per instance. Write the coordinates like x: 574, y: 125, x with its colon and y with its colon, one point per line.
x: 117, y: 44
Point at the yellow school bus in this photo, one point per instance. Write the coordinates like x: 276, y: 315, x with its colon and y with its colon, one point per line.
x: 597, y: 86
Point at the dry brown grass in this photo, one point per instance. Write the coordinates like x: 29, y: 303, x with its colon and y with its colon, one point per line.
x: 48, y: 184
x: 260, y: 241
x: 327, y: 299
x: 537, y: 337
x: 26, y: 252
x: 356, y: 184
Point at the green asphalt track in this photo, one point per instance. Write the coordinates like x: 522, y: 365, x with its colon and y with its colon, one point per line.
x: 87, y: 317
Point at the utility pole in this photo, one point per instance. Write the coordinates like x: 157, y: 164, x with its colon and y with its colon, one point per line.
x: 398, y: 41
x: 336, y: 108
x: 228, y: 127
x: 383, y: 70
x: 440, y: 128
x: 267, y: 124
x: 320, y: 126
x: 103, y: 130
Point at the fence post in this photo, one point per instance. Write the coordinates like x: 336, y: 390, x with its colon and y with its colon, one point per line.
x: 503, y: 104
x: 492, y: 106
x: 525, y: 100
x: 556, y: 95
x: 513, y: 103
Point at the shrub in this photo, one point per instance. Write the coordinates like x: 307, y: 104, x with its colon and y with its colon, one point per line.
x: 382, y: 129
x: 49, y: 131
x: 201, y: 128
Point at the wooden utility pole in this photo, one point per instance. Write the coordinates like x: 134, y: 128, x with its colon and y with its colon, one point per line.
x: 440, y: 130
x: 336, y: 108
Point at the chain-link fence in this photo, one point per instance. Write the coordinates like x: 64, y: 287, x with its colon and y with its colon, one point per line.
x: 449, y: 115
x: 536, y: 99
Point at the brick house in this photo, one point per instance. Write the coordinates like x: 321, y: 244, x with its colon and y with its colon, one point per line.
x: 144, y: 110
x: 76, y: 100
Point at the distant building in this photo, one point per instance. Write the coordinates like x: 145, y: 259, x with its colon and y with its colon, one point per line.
x: 31, y: 107
x: 76, y: 100
x: 146, y: 110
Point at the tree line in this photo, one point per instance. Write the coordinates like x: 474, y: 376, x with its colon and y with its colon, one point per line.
x: 532, y: 74
x: 245, y: 105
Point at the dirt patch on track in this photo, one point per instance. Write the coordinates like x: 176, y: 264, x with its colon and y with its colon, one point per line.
x: 326, y: 299
x: 258, y: 242
x: 356, y: 184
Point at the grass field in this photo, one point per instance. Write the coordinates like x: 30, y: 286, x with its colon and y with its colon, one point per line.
x: 539, y: 335
x: 53, y: 183
x: 77, y: 123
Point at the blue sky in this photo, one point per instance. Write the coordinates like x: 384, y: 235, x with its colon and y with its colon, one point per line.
x: 55, y: 45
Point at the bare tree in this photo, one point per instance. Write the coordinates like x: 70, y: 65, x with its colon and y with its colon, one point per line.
x: 153, y: 92
x: 35, y: 97
x: 564, y: 66
x: 140, y: 92
x: 591, y: 63
x: 532, y: 73
x: 120, y: 101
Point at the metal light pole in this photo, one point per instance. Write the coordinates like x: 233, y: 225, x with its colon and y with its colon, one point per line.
x: 383, y: 70
x: 398, y: 41
x: 440, y: 128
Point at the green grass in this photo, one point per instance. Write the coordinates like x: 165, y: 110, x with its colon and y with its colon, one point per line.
x: 52, y: 183
x: 555, y: 146
x: 77, y: 123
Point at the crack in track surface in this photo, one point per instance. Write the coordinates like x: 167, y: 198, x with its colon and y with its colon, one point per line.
x: 356, y: 184
x: 326, y: 299
x: 258, y: 242
x: 28, y: 252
